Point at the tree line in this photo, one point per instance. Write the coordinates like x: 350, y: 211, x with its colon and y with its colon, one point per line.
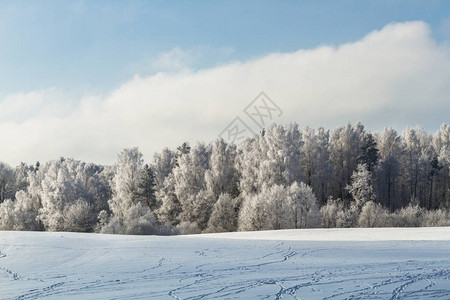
x: 285, y: 177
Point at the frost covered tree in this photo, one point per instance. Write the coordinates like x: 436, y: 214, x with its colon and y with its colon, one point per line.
x: 94, y: 180
x: 309, y: 156
x: 388, y: 171
x: 224, y: 216
x: 184, y: 189
x: 21, y: 174
x: 190, y: 185
x: 137, y: 219
x: 335, y: 214
x: 304, y: 203
x: 170, y: 207
x: 248, y: 164
x: 345, y: 148
x: 315, y: 161
x: 441, y: 188
x: 128, y: 214
x: 409, y: 216
x: 282, y: 155
x: 79, y: 217
x: 272, y: 159
x: 58, y: 184
x: 434, y: 218
x: 127, y: 178
x: 197, y: 208
x: 268, y: 210
x: 279, y: 207
x: 373, y: 215
x: 58, y: 190
x: 429, y: 170
x: 361, y: 188
x: 162, y: 166
x: 222, y: 176
x: 268, y: 183
x: 186, y: 227
x: 7, y: 182
x: 411, y: 164
x: 20, y: 214
x: 189, y: 175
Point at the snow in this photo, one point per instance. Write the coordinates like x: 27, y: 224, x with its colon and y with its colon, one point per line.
x: 388, y: 263
x: 342, y: 234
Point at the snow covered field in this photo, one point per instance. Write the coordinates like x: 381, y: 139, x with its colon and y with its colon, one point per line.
x: 290, y: 264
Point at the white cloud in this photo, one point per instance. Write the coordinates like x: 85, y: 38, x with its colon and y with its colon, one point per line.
x: 21, y: 107
x: 397, y: 76
x: 174, y: 60
x: 180, y: 60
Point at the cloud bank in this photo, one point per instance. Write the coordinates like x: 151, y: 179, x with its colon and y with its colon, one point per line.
x: 397, y: 76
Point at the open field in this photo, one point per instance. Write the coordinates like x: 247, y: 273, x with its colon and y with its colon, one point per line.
x: 392, y: 263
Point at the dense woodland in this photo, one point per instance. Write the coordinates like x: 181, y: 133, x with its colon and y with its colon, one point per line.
x: 283, y: 178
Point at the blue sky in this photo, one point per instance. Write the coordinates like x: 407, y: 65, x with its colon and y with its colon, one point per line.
x: 92, y: 46
x: 86, y: 79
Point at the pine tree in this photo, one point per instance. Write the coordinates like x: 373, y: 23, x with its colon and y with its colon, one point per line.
x: 369, y: 156
x: 181, y: 150
x: 145, y: 192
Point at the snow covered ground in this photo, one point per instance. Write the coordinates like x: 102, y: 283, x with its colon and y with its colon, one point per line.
x: 290, y: 264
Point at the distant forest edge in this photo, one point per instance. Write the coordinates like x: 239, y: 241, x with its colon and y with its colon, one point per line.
x: 282, y: 178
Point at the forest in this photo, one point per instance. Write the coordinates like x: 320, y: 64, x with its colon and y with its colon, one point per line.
x: 284, y: 177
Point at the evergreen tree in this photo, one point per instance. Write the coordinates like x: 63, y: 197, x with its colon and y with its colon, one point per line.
x: 369, y: 156
x: 181, y: 150
x: 145, y: 192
